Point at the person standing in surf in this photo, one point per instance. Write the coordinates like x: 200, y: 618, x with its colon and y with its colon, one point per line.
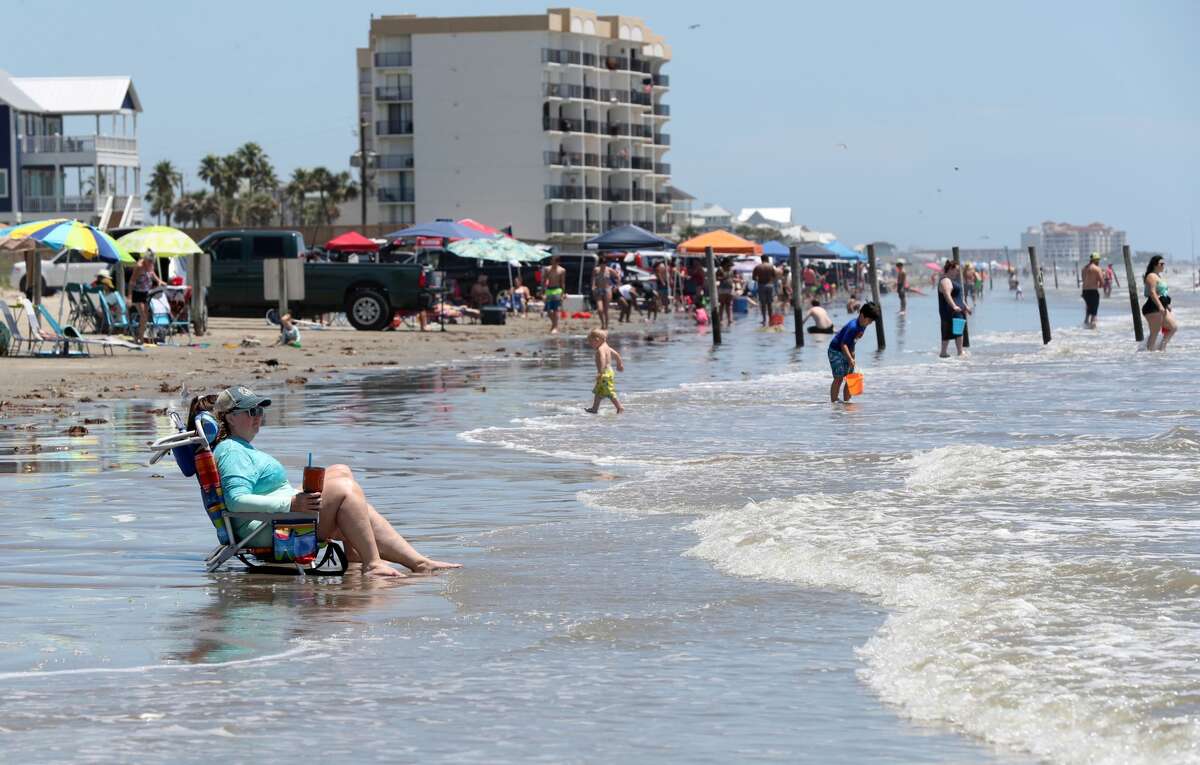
x: 1093, y: 279
x: 765, y: 275
x: 606, y: 379
x: 555, y: 279
x: 841, y: 349
x: 1157, y: 308
x: 951, y: 306
x: 902, y: 286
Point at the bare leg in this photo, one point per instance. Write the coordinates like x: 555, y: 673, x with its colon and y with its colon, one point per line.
x: 345, y: 512
x: 1171, y: 326
x: 616, y: 403
x: 595, y: 405
x: 833, y: 390
x: 390, y: 544
x: 1156, y: 322
x: 945, y: 352
x: 958, y: 344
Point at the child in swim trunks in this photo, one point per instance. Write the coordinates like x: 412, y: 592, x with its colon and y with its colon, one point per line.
x: 841, y: 349
x: 606, y: 379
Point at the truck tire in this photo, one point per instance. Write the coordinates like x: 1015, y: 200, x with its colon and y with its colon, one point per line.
x: 368, y: 309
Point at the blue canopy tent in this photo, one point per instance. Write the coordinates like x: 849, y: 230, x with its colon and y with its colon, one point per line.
x: 815, y: 251
x: 441, y: 228
x: 628, y: 238
x: 776, y: 249
x: 845, y: 253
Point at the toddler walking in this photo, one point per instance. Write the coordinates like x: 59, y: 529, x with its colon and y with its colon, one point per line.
x: 606, y: 379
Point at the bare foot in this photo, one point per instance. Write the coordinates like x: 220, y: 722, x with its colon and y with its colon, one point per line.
x: 591, y: 411
x: 380, y: 568
x: 620, y: 409
x: 428, y: 566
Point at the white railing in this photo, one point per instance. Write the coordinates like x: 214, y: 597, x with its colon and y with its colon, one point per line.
x: 75, y: 144
x: 58, y: 204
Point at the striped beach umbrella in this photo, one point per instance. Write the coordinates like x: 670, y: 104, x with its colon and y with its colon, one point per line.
x: 63, y: 233
x: 163, y: 241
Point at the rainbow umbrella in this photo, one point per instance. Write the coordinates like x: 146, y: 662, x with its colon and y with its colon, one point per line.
x: 63, y: 233
x: 67, y: 234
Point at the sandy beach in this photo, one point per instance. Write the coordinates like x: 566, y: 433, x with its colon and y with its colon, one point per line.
x: 244, y: 350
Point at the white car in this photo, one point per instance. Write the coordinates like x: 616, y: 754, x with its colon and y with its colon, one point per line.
x: 55, y: 274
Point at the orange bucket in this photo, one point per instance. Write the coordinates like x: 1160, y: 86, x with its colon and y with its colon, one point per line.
x: 854, y: 383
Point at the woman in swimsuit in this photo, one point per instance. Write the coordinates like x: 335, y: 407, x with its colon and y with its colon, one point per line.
x: 1157, y: 308
x: 725, y: 293
x: 143, y: 280
x: 254, y: 481
x: 602, y: 291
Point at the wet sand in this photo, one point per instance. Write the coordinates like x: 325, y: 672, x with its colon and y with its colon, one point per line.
x: 244, y: 351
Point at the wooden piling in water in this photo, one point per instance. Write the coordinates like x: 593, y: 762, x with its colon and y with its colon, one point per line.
x: 713, y: 318
x: 962, y: 290
x: 1039, y: 288
x: 873, y: 275
x: 797, y: 302
x: 1133, y: 298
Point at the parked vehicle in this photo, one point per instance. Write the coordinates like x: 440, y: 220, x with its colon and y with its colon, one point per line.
x: 54, y: 271
x: 368, y: 293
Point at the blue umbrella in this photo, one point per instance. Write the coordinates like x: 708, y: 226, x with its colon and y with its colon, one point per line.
x: 441, y: 228
x: 628, y: 238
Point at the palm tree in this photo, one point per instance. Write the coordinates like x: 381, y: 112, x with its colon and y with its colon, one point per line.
x: 161, y: 190
x: 258, y: 208
x: 334, y: 189
x: 212, y: 172
x: 256, y: 167
x: 296, y: 191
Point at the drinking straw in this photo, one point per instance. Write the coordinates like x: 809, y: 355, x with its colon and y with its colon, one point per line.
x: 310, y: 459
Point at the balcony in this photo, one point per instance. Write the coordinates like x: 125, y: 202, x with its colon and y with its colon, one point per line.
x: 561, y: 124
x: 394, y: 162
x: 639, y: 163
x: 662, y: 199
x: 393, y: 59
x: 641, y: 195
x: 61, y: 204
x: 615, y: 63
x: 639, y: 98
x: 662, y: 139
x: 661, y: 81
x: 617, y: 195
x: 569, y: 226
x: 399, y: 194
x: 403, y: 93
x: 563, y: 158
x: 565, y: 193
x: 662, y: 110
x: 662, y: 168
x: 387, y: 127
x: 562, y: 90
x: 77, y: 144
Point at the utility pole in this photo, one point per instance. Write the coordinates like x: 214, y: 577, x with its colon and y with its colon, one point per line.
x: 362, y: 169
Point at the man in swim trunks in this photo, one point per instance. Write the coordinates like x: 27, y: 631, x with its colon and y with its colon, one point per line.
x: 765, y: 275
x: 662, y: 282
x: 1093, y: 278
x: 822, y: 324
x: 555, y: 279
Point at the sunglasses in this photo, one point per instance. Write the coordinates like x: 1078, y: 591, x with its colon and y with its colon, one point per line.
x: 254, y: 411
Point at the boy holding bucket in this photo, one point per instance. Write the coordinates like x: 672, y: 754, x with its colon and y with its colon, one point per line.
x: 841, y: 350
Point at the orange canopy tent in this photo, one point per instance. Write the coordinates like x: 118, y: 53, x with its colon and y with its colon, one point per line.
x: 722, y: 243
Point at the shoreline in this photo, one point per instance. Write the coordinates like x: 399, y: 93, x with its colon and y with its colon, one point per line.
x: 242, y: 350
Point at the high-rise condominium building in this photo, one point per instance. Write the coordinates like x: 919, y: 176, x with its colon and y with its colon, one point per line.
x: 552, y: 123
x: 1063, y: 241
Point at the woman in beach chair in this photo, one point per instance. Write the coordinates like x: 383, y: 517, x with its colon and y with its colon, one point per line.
x: 253, y: 481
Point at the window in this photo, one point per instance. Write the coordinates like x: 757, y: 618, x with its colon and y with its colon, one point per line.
x: 3, y: 183
x: 228, y: 250
x: 266, y: 247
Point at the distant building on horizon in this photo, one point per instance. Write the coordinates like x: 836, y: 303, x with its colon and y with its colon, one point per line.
x: 777, y: 218
x: 551, y: 123
x: 68, y: 149
x: 1064, y: 241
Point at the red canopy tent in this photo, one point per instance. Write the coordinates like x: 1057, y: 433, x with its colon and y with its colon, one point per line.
x: 351, y: 242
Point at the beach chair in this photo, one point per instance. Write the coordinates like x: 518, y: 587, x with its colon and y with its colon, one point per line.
x: 96, y: 309
x: 31, y: 340
x: 51, y: 332
x: 162, y: 322
x: 117, y: 313
x: 72, y: 335
x: 295, y: 548
x: 78, y: 314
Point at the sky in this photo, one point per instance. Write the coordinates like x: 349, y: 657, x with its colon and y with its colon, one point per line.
x: 962, y: 122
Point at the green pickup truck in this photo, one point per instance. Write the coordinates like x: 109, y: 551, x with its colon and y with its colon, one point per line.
x: 368, y: 293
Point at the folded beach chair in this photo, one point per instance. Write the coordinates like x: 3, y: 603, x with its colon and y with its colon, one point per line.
x: 32, y: 341
x: 79, y: 307
x: 162, y: 323
x: 51, y: 332
x: 295, y: 548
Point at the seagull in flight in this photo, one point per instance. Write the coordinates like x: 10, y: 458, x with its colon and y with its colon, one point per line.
x: 693, y: 26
